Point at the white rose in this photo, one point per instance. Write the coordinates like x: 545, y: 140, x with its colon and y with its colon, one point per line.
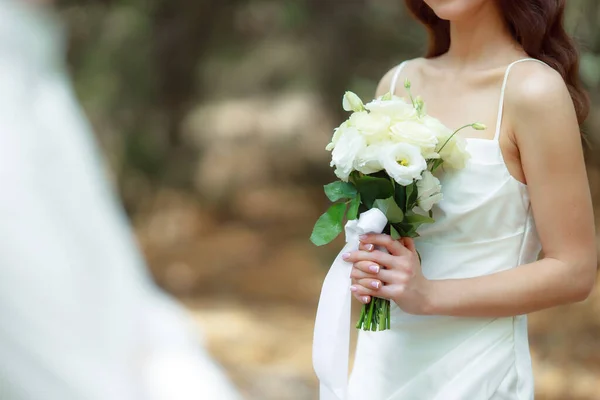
x: 429, y: 190
x: 439, y: 129
x: 349, y: 145
x: 375, y: 127
x: 337, y: 133
x: 454, y: 153
x: 352, y: 102
x: 396, y: 108
x: 369, y: 160
x: 403, y: 162
x: 416, y: 133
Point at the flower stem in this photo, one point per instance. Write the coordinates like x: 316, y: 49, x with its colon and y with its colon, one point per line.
x: 374, y: 316
x: 388, y: 319
x: 451, y: 136
x: 361, y: 319
x: 382, y: 315
x: 370, y: 315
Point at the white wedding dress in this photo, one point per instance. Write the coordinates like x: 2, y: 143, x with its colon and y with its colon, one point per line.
x: 483, y: 225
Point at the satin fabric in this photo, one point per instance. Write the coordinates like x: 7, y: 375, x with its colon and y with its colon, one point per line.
x: 332, y: 326
x: 483, y: 225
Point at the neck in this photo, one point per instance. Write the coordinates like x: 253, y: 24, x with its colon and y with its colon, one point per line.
x: 483, y: 39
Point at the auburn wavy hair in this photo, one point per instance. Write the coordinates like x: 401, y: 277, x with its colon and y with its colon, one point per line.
x: 537, y: 25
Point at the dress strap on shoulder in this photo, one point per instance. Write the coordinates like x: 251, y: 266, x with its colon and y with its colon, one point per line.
x: 394, y: 83
x: 501, y: 105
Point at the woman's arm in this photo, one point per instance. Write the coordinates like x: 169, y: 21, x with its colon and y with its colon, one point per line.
x: 547, y: 135
x: 541, y: 114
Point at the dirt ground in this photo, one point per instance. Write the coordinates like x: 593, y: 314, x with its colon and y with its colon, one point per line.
x: 253, y: 290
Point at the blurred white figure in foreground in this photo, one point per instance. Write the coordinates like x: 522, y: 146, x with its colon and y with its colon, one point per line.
x: 80, y: 319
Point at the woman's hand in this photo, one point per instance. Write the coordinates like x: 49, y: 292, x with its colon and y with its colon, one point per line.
x: 395, y: 276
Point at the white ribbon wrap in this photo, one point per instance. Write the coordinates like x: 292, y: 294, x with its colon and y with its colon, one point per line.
x: 331, y: 340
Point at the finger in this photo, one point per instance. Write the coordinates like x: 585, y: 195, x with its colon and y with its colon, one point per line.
x: 366, y: 247
x: 394, y: 247
x: 386, y: 276
x: 384, y: 292
x: 364, y: 269
x: 356, y: 274
x: 376, y: 257
x: 368, y: 267
x: 374, y: 284
x: 362, y: 299
x: 409, y: 243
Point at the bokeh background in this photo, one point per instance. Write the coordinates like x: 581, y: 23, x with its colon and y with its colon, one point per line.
x: 214, y: 115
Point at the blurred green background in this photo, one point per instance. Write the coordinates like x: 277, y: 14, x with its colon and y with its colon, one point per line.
x: 214, y: 115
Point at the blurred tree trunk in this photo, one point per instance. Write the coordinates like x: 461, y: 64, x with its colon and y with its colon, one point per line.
x: 336, y: 30
x: 182, y: 37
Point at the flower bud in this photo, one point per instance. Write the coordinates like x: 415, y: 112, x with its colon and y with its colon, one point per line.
x: 419, y: 105
x: 406, y: 84
x: 479, y: 126
x: 419, y: 102
x: 387, y: 96
x: 352, y: 102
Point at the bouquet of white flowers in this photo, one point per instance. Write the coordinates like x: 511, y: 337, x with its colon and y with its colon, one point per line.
x: 386, y: 155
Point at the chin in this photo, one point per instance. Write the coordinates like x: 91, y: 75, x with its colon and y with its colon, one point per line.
x: 455, y: 10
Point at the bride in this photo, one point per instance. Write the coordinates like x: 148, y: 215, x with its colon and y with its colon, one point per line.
x: 459, y: 329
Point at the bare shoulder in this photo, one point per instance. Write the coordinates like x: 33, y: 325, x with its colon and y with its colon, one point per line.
x: 386, y: 82
x: 534, y: 89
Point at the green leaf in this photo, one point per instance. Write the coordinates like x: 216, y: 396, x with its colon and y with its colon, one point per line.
x: 411, y: 196
x: 394, y: 233
x: 353, y: 209
x: 329, y: 225
x: 403, y: 229
x: 413, y: 218
x: 400, y: 196
x: 436, y: 164
x: 373, y: 188
x: 340, y: 190
x: 415, y: 221
x: 390, y: 209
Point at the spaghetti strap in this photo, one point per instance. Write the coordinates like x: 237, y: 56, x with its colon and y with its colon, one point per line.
x: 399, y: 69
x: 501, y: 105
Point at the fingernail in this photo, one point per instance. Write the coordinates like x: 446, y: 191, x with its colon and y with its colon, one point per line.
x: 353, y: 288
x: 375, y: 284
x: 369, y: 247
x: 345, y: 256
x: 374, y: 269
x: 363, y: 237
x: 365, y: 299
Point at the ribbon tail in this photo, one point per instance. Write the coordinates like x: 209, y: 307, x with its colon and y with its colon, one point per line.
x: 331, y: 344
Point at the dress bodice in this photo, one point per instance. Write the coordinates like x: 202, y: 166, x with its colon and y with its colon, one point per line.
x: 483, y: 225
x: 485, y: 215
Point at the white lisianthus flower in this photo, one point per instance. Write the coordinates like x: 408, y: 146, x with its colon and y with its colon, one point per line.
x: 349, y: 145
x: 429, y: 190
x: 416, y: 133
x: 454, y: 153
x: 374, y: 127
x: 397, y: 108
x: 403, y: 162
x: 352, y: 102
x: 337, y: 133
x: 369, y: 160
